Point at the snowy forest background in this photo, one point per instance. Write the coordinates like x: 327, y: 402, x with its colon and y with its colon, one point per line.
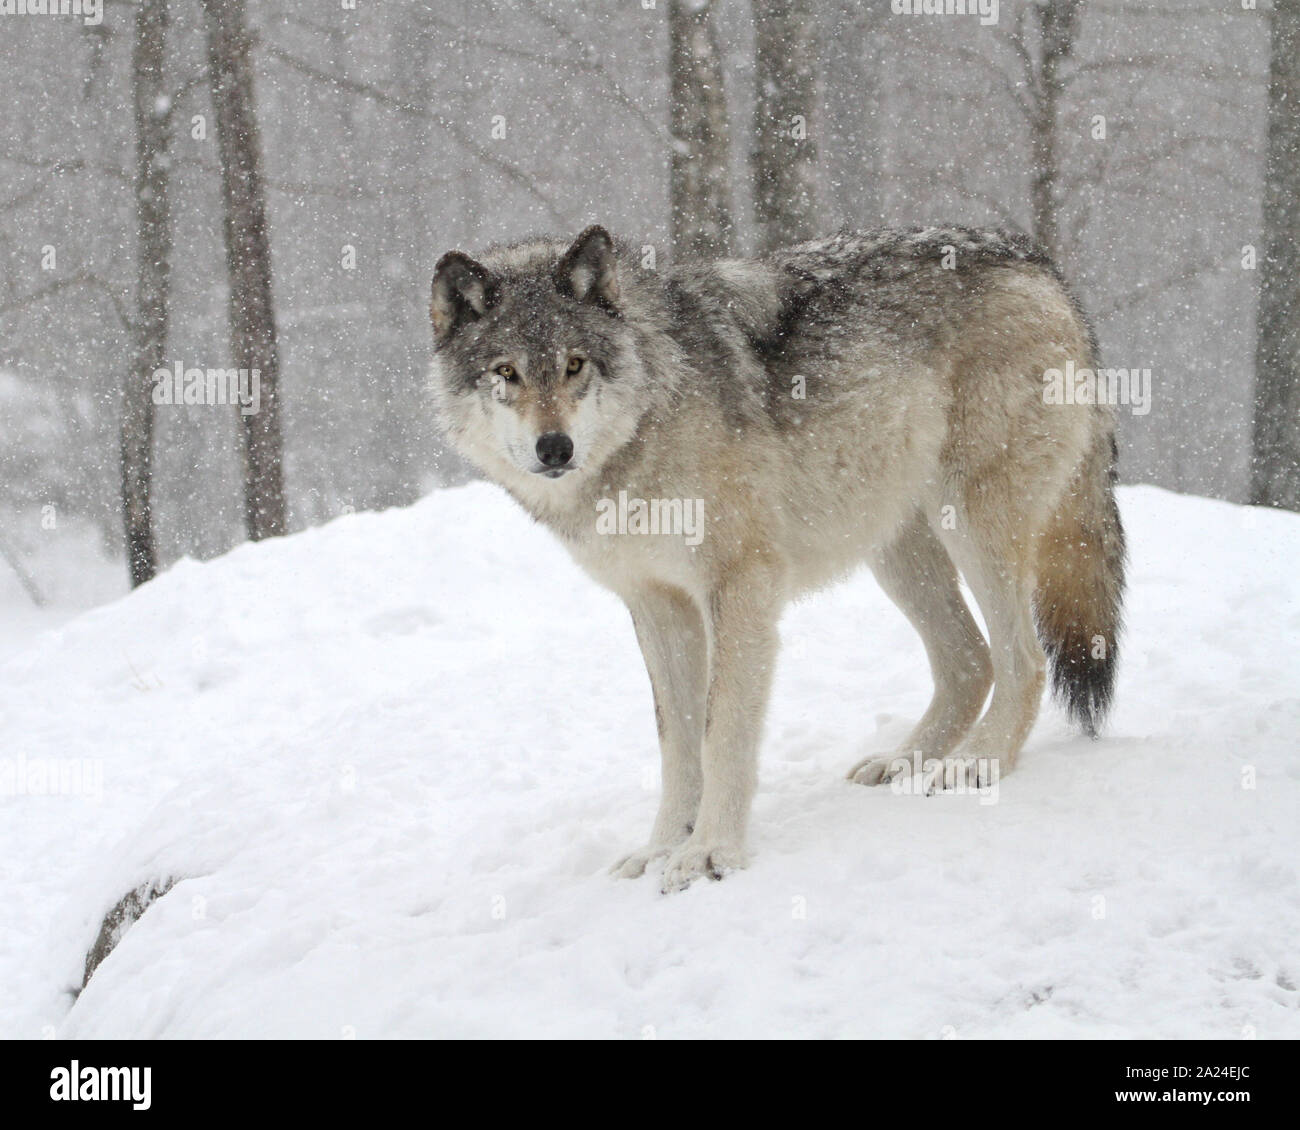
x: 391, y: 132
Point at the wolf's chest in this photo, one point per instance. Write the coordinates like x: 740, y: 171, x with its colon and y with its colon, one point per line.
x: 627, y: 549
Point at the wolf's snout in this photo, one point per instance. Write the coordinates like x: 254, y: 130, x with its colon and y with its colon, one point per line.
x: 554, y: 449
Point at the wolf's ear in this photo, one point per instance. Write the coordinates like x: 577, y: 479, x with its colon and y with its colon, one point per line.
x: 589, y: 271
x: 463, y: 291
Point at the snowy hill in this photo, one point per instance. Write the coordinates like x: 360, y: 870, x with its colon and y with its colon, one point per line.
x: 388, y: 808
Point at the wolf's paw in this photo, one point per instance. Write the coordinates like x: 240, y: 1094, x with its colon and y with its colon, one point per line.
x: 960, y: 774
x: 880, y: 770
x: 633, y: 866
x: 956, y: 773
x: 696, y: 859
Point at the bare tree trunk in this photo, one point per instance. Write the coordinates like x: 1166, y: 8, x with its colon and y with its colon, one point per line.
x: 851, y: 130
x: 1058, y: 26
x: 248, y: 261
x: 1042, y: 187
x: 785, y: 105
x: 414, y: 70
x: 1275, y: 464
x: 700, y: 176
x: 149, y: 329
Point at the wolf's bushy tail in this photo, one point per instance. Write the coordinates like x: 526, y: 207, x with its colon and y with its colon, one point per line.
x: 1080, y: 586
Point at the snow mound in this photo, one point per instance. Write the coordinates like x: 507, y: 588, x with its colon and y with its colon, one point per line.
x: 387, y: 762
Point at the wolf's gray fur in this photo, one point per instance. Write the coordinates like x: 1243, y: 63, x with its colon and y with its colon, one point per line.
x: 874, y: 397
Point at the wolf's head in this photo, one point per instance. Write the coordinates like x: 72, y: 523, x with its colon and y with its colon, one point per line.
x: 535, y: 371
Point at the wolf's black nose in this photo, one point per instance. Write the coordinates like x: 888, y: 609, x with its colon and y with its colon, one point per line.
x: 554, y: 449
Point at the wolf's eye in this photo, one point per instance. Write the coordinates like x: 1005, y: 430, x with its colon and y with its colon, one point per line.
x: 506, y: 372
x: 574, y: 366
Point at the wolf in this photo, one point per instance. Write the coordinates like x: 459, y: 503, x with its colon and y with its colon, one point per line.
x: 870, y: 398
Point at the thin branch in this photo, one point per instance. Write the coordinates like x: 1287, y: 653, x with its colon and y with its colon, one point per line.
x: 1015, y: 39
x: 1113, y: 150
x: 1004, y: 80
x: 295, y: 188
x: 1144, y: 292
x: 993, y: 203
x: 1177, y: 11
x: 24, y: 576
x: 366, y: 90
x: 1142, y: 62
x: 184, y: 90
x: 52, y: 169
x: 56, y: 287
x: 595, y: 66
x: 64, y: 165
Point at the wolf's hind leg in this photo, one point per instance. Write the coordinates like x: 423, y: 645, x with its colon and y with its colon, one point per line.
x: 917, y: 574
x: 1001, y: 579
x: 670, y: 630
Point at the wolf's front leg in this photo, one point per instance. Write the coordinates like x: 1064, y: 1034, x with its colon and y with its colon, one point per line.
x: 670, y: 630
x: 743, y: 614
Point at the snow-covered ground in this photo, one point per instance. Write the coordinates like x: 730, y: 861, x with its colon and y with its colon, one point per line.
x: 389, y: 760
